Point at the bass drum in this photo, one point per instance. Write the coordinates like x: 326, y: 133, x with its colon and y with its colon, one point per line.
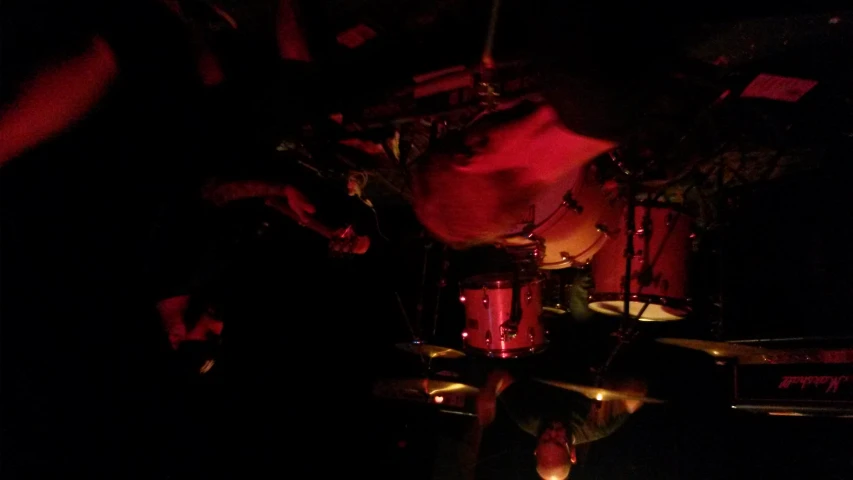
x: 662, y: 246
x: 569, y: 222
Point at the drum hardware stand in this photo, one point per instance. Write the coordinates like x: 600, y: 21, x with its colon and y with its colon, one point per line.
x: 487, y: 66
x: 420, y: 306
x: 415, y: 338
x: 442, y: 282
x: 627, y: 331
x: 717, y: 321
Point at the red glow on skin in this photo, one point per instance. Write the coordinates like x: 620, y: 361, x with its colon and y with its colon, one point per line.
x: 57, y: 97
x: 477, y: 200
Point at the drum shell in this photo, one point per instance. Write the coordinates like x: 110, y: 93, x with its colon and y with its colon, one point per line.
x: 659, y: 270
x: 488, y: 305
x: 570, y: 233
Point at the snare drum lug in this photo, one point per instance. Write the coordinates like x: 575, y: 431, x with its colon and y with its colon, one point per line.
x: 569, y: 201
x: 531, y: 336
x: 529, y: 296
x: 485, y: 298
x: 488, y: 338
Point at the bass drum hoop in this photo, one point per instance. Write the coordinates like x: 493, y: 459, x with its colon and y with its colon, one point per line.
x: 671, y: 309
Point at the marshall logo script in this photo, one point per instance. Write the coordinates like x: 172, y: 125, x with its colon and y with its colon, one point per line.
x: 832, y: 382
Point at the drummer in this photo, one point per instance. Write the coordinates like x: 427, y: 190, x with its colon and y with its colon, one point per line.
x: 598, y: 94
x: 481, y: 191
x: 561, y: 420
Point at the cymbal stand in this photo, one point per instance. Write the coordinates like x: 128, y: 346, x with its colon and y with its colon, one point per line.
x: 442, y: 282
x: 488, y: 89
x: 627, y: 330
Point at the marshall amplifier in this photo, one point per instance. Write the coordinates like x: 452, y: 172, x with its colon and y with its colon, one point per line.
x: 813, y: 381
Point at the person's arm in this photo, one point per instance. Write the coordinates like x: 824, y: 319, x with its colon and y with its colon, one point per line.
x: 56, y: 98
x: 222, y: 193
x: 290, y: 35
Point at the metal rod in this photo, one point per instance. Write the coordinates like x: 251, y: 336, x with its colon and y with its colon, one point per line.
x: 422, y: 293
x: 406, y: 316
x: 442, y: 282
x: 629, y: 252
x: 487, y: 59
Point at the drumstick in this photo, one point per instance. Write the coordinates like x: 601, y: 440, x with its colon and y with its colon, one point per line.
x: 360, y: 244
x: 283, y: 207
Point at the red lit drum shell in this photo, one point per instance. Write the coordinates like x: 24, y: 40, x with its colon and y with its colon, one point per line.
x: 568, y: 236
x: 665, y: 247
x: 488, y: 305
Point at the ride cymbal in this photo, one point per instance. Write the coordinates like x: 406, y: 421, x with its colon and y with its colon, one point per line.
x: 598, y: 393
x: 715, y: 349
x: 431, y: 351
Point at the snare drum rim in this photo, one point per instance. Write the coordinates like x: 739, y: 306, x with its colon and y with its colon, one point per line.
x: 478, y: 282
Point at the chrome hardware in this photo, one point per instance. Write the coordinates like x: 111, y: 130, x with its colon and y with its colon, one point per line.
x: 529, y: 295
x: 488, y: 338
x: 485, y: 298
x: 531, y: 336
x: 569, y: 201
x: 508, y: 331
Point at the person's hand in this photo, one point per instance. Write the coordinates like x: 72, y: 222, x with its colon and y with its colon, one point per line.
x: 298, y: 203
x: 172, y: 318
x: 206, y: 327
x: 345, y: 241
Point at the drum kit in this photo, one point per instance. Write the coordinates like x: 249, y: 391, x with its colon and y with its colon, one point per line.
x: 637, y: 253
x: 575, y: 224
x: 637, y: 256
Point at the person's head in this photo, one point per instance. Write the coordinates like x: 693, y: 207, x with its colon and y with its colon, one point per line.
x: 479, y: 185
x: 554, y: 453
x: 465, y: 208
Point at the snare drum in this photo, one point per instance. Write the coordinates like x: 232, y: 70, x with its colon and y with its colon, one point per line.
x: 569, y: 222
x: 658, y: 270
x: 488, y: 308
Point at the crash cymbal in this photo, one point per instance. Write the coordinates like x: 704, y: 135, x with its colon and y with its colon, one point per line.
x: 425, y: 386
x: 715, y: 349
x: 598, y: 393
x: 431, y: 351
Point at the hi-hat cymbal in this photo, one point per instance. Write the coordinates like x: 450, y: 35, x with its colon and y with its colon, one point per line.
x: 715, y: 349
x: 598, y: 393
x: 431, y: 351
x: 425, y: 386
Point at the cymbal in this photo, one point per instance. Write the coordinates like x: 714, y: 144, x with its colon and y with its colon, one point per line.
x: 431, y: 351
x: 598, y: 393
x: 715, y: 349
x: 424, y: 386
